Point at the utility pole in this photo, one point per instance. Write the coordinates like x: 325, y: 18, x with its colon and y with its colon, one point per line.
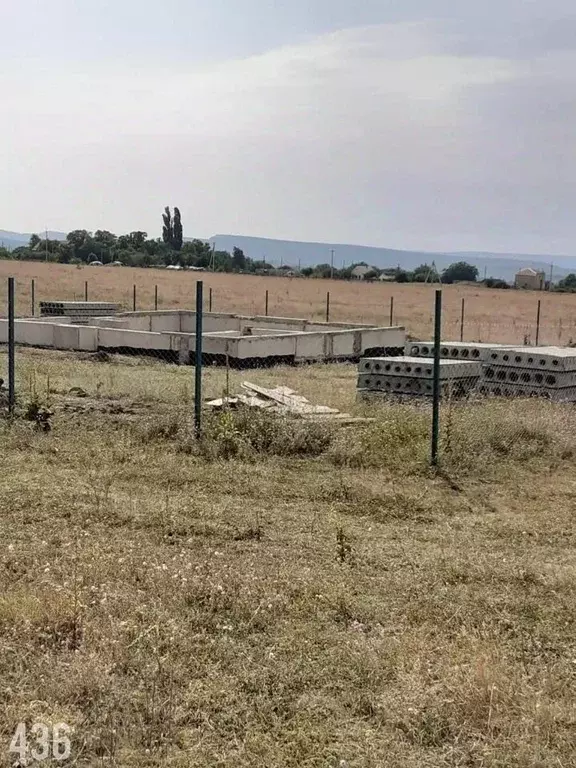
x: 485, y: 268
x: 212, y: 258
x: 331, y: 262
x: 46, y: 242
x: 551, y: 273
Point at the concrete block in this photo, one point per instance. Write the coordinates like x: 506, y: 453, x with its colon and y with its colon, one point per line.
x: 66, y: 337
x: 417, y: 367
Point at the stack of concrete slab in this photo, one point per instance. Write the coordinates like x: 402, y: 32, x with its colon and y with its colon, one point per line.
x: 79, y: 311
x: 414, y: 376
x: 548, y: 372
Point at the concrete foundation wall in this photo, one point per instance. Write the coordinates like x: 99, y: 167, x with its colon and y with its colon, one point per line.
x: 330, y: 343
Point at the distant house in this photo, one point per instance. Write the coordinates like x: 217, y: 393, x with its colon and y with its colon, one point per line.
x: 360, y: 271
x: 530, y: 279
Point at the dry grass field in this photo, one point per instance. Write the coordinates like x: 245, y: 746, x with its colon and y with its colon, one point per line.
x: 491, y: 315
x: 284, y: 595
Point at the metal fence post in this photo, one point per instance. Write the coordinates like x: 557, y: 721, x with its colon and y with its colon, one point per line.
x: 33, y: 297
x: 462, y: 320
x: 266, y: 305
x: 134, y: 298
x: 436, y: 384
x: 328, y: 306
x: 210, y: 300
x: 86, y: 290
x: 538, y: 322
x: 391, y: 311
x: 155, y: 298
x: 198, y: 362
x: 11, y: 348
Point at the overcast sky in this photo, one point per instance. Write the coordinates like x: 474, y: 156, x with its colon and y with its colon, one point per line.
x: 429, y: 124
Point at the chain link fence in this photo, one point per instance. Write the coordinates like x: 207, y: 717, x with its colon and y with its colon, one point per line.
x: 497, y: 392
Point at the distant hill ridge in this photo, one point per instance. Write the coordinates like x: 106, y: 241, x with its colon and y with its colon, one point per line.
x: 294, y: 253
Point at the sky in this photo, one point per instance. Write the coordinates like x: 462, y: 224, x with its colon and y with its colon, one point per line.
x: 419, y: 124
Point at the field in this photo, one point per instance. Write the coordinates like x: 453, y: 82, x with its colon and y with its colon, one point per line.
x: 490, y: 315
x: 284, y: 594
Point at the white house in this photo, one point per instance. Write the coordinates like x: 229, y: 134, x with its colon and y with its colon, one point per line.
x: 530, y: 279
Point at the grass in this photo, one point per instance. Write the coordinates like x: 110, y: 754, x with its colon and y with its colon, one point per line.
x: 285, y: 594
x: 490, y: 315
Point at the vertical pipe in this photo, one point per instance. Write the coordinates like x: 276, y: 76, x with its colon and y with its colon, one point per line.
x: 462, y: 320
x: 210, y: 300
x: 33, y: 297
x: 391, y: 311
x: 328, y: 306
x: 436, y: 384
x: 11, y: 347
x: 198, y: 362
x: 134, y: 299
x: 155, y: 298
x: 86, y: 290
x: 538, y: 323
x: 266, y: 305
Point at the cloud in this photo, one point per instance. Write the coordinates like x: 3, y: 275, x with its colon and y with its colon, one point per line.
x: 406, y: 134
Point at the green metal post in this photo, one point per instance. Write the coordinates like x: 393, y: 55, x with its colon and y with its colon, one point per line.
x: 86, y: 290
x: 198, y: 361
x: 436, y: 383
x: 462, y: 320
x: 266, y: 309
x: 134, y: 299
x: 328, y: 306
x: 33, y: 298
x: 391, y: 311
x: 11, y: 347
x: 210, y: 300
x: 538, y: 322
x: 155, y: 298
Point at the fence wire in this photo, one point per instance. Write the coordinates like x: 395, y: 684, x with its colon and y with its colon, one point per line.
x: 498, y: 391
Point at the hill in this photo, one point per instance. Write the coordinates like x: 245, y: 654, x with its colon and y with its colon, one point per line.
x: 294, y: 253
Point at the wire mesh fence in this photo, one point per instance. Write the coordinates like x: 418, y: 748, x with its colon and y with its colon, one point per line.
x: 135, y: 359
x: 480, y: 315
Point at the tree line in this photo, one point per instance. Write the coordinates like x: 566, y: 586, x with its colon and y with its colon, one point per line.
x: 136, y: 249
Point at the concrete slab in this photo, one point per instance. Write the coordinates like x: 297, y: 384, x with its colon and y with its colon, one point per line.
x: 535, y: 377
x: 454, y: 350
x: 541, y: 358
x: 559, y: 395
x: 417, y: 367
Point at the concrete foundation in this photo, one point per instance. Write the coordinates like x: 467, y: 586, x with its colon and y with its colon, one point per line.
x: 242, y: 340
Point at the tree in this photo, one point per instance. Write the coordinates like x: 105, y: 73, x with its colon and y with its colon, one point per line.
x: 460, y: 271
x: 172, y: 229
x: 402, y: 276
x: 567, y: 283
x: 137, y: 239
x: 238, y: 260
x: 425, y: 272
x: 167, y: 230
x: 177, y: 236
x: 496, y: 282
x: 34, y: 242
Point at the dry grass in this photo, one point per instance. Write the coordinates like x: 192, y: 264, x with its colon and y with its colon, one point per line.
x: 341, y: 606
x: 491, y: 315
